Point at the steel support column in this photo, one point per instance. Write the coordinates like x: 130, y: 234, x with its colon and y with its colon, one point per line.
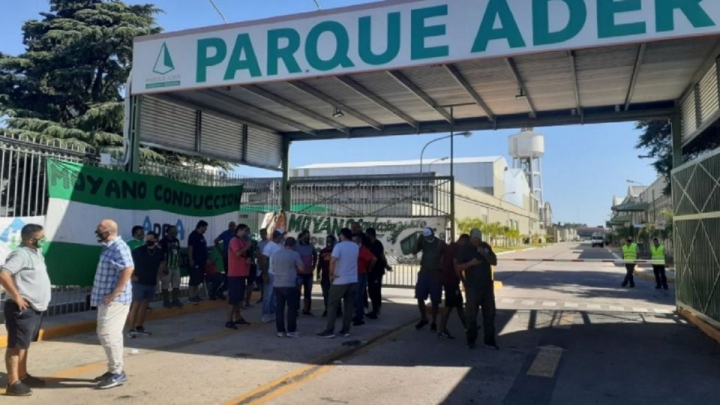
x: 285, y: 181
x: 133, y: 149
x: 452, y: 174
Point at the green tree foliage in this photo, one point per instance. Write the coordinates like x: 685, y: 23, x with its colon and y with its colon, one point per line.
x: 657, y: 140
x: 492, y: 233
x: 69, y: 85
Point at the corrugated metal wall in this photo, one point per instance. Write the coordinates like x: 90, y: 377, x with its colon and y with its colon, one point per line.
x: 696, y: 232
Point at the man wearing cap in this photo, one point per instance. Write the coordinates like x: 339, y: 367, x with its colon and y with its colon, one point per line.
x: 429, y: 282
x: 474, y: 269
x: 272, y: 247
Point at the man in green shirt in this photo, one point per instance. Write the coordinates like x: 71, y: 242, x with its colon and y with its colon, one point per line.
x: 138, y: 237
x: 170, y: 273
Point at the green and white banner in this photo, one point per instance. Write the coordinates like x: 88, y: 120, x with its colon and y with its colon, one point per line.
x: 82, y: 196
x: 398, y: 235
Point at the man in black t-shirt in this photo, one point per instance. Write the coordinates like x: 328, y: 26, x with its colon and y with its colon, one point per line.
x: 197, y: 255
x: 376, y: 273
x: 475, y: 261
x: 149, y: 259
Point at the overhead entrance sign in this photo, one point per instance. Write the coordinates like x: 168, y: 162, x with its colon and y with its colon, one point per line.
x: 393, y: 35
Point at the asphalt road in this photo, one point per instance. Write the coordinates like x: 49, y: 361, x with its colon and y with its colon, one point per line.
x: 568, y: 335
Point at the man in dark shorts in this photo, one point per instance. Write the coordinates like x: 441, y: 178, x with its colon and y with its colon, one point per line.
x: 149, y: 260
x: 197, y: 256
x: 451, y: 285
x: 429, y: 283
x: 27, y: 284
x: 476, y: 261
x: 238, y: 271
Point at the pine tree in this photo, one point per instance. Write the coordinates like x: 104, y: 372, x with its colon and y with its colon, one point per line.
x: 69, y: 84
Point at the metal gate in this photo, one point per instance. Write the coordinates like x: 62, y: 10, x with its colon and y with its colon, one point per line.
x: 696, y: 232
x: 376, y: 196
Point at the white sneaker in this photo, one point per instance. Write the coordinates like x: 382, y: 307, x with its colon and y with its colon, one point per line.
x: 294, y: 335
x: 281, y: 335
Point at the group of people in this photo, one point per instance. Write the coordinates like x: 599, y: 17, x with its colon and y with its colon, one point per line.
x: 350, y: 269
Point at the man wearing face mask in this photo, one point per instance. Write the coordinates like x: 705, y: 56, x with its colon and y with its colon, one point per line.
x: 148, y: 259
x: 323, y: 270
x: 170, y: 275
x: 138, y: 237
x: 309, y: 258
x: 112, y: 295
x: 27, y: 285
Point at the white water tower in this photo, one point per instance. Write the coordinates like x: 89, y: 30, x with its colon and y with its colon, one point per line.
x: 527, y: 149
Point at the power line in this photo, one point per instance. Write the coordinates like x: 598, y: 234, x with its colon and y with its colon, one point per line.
x: 317, y: 4
x: 218, y: 11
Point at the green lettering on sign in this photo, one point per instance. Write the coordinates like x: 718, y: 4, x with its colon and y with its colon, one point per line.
x: 340, y: 57
x: 287, y: 54
x: 509, y: 30
x: 393, y: 40
x: 243, y: 46
x: 420, y: 31
x: 665, y: 14
x: 541, y: 23
x: 607, y: 28
x: 204, y: 61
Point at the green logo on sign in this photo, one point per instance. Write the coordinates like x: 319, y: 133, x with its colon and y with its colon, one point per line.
x: 164, y: 63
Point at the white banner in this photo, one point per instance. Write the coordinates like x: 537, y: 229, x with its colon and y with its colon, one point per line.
x: 403, y: 33
x: 398, y: 235
x: 10, y: 228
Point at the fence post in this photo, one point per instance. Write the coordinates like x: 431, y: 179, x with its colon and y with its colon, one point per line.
x: 285, y: 181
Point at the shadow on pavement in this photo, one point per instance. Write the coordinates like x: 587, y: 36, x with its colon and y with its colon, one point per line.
x: 586, y: 284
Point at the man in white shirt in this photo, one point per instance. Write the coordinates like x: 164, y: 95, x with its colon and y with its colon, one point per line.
x: 272, y: 247
x: 344, y: 277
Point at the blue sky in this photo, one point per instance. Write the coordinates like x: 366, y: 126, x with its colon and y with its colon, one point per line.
x: 583, y: 168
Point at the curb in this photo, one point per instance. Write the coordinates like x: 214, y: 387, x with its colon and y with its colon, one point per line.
x: 507, y: 252
x: 708, y: 329
x: 643, y: 275
x: 59, y: 331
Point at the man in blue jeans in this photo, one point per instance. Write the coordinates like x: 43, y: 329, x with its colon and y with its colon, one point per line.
x: 274, y: 246
x: 366, y: 261
x: 287, y: 264
x: 309, y: 257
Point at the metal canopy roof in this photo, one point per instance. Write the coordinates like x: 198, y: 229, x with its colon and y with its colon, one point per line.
x: 598, y: 85
x: 631, y: 207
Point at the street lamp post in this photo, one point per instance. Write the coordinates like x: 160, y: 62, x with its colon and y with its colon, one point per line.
x: 435, y: 161
x: 466, y: 134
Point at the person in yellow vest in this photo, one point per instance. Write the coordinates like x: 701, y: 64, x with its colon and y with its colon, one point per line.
x: 629, y: 250
x: 658, y: 254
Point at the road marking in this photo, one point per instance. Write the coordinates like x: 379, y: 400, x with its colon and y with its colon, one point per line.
x: 594, y: 306
x: 528, y: 303
x: 546, y: 362
x: 508, y: 301
x: 640, y: 310
x: 571, y: 305
x: 292, y: 380
x: 662, y: 311
x: 549, y: 304
x: 616, y: 308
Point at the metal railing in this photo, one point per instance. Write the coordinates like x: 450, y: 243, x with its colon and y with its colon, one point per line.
x: 23, y: 193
